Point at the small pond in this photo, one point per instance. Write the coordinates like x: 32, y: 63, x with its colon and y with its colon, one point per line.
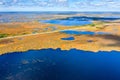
x: 68, y: 38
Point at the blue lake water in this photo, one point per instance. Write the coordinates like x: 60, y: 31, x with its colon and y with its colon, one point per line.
x: 68, y: 38
x: 66, y: 22
x: 77, y: 32
x: 78, y: 20
x: 49, y: 64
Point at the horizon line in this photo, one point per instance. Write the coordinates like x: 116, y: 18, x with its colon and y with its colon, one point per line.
x: 60, y: 11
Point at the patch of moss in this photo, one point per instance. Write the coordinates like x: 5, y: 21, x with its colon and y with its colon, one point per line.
x: 92, y: 25
x: 3, y: 35
x: 24, y: 33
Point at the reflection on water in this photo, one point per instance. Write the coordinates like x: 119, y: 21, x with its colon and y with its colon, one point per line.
x: 49, y: 64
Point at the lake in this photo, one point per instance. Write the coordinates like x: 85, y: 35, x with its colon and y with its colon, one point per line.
x: 85, y: 18
x: 78, y: 20
x: 66, y: 22
x: 79, y: 32
x: 49, y: 64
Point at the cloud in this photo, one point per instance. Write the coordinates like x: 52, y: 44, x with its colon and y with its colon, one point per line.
x: 64, y: 4
x: 62, y: 0
x: 14, y: 1
x: 1, y: 3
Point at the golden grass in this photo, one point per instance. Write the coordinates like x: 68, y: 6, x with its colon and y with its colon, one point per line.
x: 53, y: 40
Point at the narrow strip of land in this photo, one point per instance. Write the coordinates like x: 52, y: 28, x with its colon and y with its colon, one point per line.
x: 37, y: 33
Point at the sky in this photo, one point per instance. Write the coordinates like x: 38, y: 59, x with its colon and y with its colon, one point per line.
x: 60, y: 5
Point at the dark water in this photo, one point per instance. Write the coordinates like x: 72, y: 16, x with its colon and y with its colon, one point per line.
x: 77, y: 32
x: 68, y: 38
x: 85, y: 18
x: 49, y: 64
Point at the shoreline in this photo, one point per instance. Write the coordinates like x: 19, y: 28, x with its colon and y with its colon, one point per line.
x: 61, y: 50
